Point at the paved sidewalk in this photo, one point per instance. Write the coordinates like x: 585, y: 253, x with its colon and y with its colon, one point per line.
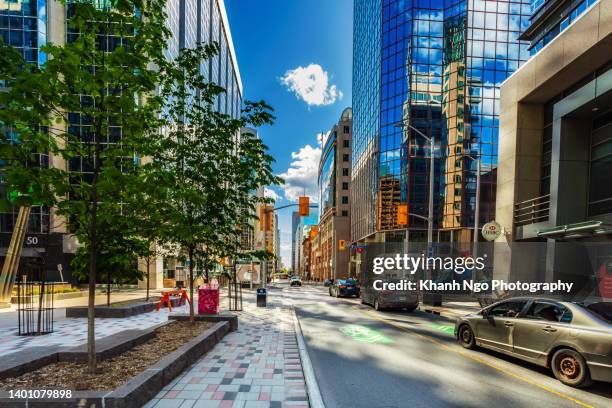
x: 258, y: 366
x: 71, y: 332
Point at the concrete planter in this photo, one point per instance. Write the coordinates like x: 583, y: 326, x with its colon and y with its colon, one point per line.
x: 137, y: 391
x: 118, y: 312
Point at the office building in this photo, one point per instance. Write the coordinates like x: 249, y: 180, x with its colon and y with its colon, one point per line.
x: 334, y: 180
x: 554, y: 192
x: 428, y: 70
x: 29, y: 24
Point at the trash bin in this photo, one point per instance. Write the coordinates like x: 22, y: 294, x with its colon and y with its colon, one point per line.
x: 261, y: 297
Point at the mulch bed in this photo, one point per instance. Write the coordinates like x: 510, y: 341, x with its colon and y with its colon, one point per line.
x: 113, y: 372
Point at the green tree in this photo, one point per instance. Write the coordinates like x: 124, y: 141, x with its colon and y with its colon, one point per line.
x: 92, y: 106
x: 207, y: 170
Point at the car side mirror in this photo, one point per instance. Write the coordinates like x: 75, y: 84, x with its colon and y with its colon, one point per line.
x: 484, y: 313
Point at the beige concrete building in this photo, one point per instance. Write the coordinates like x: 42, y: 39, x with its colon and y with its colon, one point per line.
x: 334, y: 208
x: 554, y: 189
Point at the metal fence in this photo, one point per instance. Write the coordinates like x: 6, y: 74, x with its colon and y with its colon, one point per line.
x: 34, y: 306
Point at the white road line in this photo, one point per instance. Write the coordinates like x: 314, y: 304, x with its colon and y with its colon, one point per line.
x: 314, y: 394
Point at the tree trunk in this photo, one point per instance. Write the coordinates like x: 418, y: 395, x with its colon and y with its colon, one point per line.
x: 148, y: 276
x: 191, y: 313
x: 108, y: 285
x: 91, y: 336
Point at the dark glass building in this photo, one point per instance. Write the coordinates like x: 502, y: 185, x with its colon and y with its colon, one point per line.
x: 432, y: 67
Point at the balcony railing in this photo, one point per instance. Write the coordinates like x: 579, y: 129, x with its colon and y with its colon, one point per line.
x: 532, y: 211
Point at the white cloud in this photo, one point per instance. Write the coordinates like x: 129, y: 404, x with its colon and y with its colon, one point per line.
x: 269, y: 193
x: 301, y: 176
x: 311, y: 84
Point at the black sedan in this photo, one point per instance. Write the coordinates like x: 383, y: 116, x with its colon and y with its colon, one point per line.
x: 344, y: 287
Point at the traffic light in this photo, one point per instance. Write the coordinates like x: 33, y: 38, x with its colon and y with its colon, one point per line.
x: 304, y: 205
x: 342, y: 245
x: 402, y: 214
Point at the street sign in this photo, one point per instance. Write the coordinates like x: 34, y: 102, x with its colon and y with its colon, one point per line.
x: 491, y: 230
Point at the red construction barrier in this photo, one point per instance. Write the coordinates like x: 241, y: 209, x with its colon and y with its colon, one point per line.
x: 184, y: 296
x: 165, y: 299
x: 208, y: 301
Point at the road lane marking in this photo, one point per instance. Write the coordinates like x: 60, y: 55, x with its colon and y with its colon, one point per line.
x: 481, y: 361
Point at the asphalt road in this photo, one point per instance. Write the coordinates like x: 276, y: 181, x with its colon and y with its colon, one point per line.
x: 364, y: 358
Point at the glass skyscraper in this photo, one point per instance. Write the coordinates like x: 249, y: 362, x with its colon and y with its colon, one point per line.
x: 435, y: 66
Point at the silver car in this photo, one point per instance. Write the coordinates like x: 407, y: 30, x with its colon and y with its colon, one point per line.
x: 575, y: 341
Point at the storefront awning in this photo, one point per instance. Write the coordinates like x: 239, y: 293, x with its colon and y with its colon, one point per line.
x: 577, y: 230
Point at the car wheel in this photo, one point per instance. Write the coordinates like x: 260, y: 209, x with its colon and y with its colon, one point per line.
x: 569, y: 367
x: 411, y: 309
x: 377, y: 305
x: 466, y: 337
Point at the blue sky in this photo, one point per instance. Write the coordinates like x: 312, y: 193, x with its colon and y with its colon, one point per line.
x: 297, y: 56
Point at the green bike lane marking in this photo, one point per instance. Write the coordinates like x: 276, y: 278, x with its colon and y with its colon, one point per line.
x: 365, y: 334
x: 443, y: 328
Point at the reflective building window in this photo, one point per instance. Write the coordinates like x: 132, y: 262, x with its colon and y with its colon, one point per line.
x: 440, y: 64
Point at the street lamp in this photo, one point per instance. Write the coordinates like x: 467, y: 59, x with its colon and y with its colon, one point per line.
x: 429, y: 139
x: 431, y: 184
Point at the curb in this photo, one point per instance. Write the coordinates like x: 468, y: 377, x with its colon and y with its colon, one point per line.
x: 312, y: 387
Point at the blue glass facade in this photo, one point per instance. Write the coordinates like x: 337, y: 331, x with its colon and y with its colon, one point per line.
x: 327, y: 177
x: 439, y: 67
x: 557, y: 20
x: 23, y: 25
x: 366, y: 116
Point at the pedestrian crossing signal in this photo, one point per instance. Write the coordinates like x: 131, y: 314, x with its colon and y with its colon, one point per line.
x: 304, y: 206
x: 342, y: 244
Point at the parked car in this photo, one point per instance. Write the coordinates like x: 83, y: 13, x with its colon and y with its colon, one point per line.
x: 344, y: 287
x: 328, y: 282
x: 390, y: 299
x: 295, y: 281
x: 574, y: 340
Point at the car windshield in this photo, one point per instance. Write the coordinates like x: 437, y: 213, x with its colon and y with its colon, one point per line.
x: 603, y: 310
x: 347, y: 282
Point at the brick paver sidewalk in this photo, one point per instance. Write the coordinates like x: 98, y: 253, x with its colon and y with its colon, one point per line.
x: 258, y: 366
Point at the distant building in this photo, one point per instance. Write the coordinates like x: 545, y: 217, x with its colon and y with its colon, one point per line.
x: 308, y: 256
x: 295, y: 244
x: 334, y: 181
x: 304, y: 222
